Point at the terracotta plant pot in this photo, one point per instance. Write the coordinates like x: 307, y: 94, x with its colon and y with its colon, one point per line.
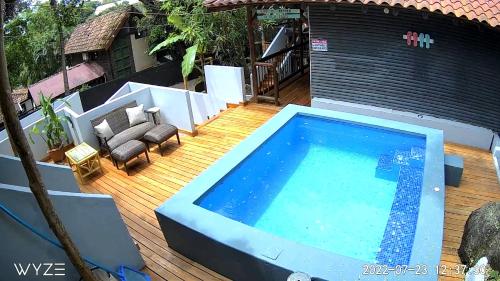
x: 57, y: 155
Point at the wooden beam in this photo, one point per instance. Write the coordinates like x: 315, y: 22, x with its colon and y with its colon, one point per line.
x: 251, y: 45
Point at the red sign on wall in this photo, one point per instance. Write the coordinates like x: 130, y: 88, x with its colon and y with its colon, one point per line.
x: 319, y: 45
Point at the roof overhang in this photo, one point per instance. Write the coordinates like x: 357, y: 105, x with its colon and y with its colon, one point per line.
x: 487, y: 12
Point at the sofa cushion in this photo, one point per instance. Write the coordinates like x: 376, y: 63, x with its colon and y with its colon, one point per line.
x: 136, y: 115
x: 103, y: 130
x: 128, y: 150
x: 133, y: 133
x: 117, y: 118
x: 160, y: 133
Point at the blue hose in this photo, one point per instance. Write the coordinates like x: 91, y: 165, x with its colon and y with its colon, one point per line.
x: 55, y: 243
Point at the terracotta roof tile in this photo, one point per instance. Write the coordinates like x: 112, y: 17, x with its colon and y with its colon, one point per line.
x: 53, y: 86
x: 487, y: 11
x: 18, y: 95
x: 96, y: 34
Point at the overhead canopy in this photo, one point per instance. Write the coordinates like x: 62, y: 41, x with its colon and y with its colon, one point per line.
x: 487, y: 11
x: 53, y: 86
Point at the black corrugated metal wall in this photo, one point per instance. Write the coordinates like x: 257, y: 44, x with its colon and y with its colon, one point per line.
x: 369, y: 62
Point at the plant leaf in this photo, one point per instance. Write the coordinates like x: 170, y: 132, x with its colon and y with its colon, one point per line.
x: 177, y: 21
x: 167, y: 42
x: 188, y: 60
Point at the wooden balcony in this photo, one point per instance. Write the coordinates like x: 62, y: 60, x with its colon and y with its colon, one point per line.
x: 149, y: 185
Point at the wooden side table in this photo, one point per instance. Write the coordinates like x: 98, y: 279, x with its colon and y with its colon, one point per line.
x: 85, y: 159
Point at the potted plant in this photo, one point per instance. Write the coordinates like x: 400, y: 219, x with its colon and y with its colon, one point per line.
x: 51, y: 129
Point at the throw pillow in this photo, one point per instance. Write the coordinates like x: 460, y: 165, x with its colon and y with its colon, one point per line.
x: 136, y: 115
x: 104, y: 130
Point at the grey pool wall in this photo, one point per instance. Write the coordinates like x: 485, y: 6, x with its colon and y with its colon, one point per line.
x: 242, y: 252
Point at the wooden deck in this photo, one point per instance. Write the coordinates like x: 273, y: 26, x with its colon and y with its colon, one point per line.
x: 150, y: 185
x: 297, y: 92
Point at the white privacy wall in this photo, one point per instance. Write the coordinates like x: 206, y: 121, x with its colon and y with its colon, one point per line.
x: 225, y: 84
x: 175, y: 106
x: 81, y: 123
x: 178, y: 107
x: 39, y: 148
x: 203, y: 107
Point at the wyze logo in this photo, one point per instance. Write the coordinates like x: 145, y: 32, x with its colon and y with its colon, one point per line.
x: 41, y: 269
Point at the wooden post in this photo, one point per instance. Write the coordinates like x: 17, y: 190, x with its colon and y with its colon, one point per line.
x: 251, y: 45
x: 276, y: 83
x: 301, y: 34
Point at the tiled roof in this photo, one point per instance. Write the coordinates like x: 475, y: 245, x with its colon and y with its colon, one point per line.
x: 18, y: 95
x: 487, y: 11
x: 53, y: 86
x: 96, y: 34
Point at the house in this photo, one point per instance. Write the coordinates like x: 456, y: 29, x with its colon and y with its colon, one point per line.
x: 112, y: 41
x: 104, y: 48
x: 428, y: 59
x: 85, y: 73
x: 22, y: 101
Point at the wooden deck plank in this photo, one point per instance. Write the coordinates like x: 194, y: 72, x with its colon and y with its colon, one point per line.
x: 150, y: 185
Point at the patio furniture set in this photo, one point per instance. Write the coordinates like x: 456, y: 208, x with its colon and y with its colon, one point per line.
x: 125, y: 133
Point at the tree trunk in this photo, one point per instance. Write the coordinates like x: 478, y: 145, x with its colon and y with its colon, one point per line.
x: 63, y: 60
x: 53, y: 4
x: 18, y: 139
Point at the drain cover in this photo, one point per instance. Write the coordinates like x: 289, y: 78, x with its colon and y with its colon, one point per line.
x: 299, y: 276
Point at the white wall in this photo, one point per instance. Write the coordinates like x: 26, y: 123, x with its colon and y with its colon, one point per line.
x: 175, y: 106
x: 73, y: 100
x: 203, y: 107
x: 124, y: 90
x: 225, y: 84
x: 39, y: 147
x: 134, y: 86
x: 84, y: 130
x: 454, y: 132
x: 495, y: 150
x: 140, y: 52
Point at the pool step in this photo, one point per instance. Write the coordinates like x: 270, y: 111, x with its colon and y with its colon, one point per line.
x: 388, y: 166
x: 395, y: 248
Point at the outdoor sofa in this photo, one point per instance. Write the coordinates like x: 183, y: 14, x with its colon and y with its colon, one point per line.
x: 125, y: 142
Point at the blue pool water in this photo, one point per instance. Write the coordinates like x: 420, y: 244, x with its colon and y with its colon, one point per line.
x: 349, y: 189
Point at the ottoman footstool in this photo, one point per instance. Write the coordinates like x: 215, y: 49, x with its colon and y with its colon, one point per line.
x: 160, y: 134
x: 127, y: 151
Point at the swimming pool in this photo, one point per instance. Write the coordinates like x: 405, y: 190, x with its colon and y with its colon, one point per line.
x: 317, y: 191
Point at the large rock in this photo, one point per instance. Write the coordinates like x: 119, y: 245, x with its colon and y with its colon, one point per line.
x: 481, y: 236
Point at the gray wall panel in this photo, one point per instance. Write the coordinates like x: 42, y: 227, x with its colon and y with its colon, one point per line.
x: 92, y: 221
x: 55, y: 177
x: 369, y: 62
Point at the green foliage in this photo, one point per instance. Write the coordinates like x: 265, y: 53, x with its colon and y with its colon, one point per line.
x: 188, y: 60
x: 31, y: 40
x: 52, y: 130
x: 494, y: 275
x: 221, y: 34
x: 84, y: 87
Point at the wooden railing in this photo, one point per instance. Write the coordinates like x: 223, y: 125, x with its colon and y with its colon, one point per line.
x: 273, y: 70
